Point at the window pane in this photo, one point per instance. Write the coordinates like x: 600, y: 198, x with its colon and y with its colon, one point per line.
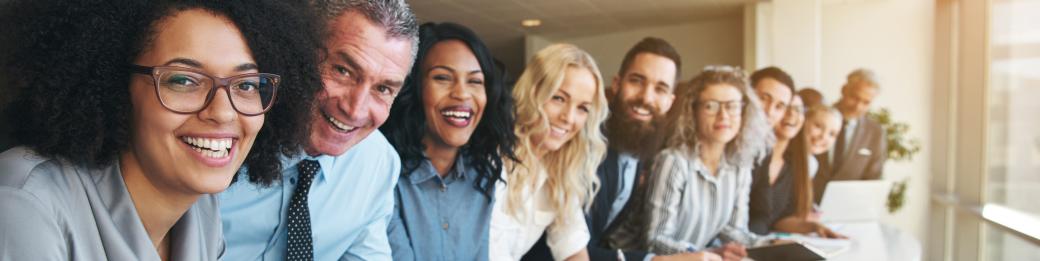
x: 1014, y: 98
x: 1001, y: 245
x: 1014, y: 122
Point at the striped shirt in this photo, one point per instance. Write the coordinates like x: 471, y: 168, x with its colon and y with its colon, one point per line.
x: 685, y: 207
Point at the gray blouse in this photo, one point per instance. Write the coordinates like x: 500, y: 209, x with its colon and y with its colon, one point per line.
x: 51, y: 209
x: 685, y: 207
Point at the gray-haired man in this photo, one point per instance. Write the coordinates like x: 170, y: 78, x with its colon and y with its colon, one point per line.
x: 861, y: 149
x: 335, y: 198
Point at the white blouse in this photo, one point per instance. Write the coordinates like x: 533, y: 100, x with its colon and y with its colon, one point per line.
x: 511, y: 236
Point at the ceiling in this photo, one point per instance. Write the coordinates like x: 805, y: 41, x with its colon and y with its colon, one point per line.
x: 497, y: 22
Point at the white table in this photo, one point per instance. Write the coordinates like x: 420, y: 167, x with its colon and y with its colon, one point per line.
x: 877, y: 241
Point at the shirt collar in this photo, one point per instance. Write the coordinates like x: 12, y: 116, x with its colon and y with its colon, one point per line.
x: 325, y: 161
x: 625, y: 156
x: 426, y: 171
x: 852, y: 122
x: 702, y: 169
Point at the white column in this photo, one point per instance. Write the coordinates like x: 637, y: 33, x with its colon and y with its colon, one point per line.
x: 787, y: 35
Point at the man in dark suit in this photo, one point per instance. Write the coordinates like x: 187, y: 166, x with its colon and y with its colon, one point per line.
x: 861, y: 148
x: 642, y: 91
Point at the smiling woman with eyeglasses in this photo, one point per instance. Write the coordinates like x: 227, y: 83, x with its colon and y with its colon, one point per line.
x: 130, y: 115
x: 698, y: 186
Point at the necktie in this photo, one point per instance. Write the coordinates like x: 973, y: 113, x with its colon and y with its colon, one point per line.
x: 300, y: 244
x: 621, y: 178
x: 839, y: 149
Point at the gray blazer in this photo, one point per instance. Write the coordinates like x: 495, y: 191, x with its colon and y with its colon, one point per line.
x: 51, y: 209
x: 863, y: 160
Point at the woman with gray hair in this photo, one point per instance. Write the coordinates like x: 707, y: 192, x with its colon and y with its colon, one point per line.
x: 698, y: 186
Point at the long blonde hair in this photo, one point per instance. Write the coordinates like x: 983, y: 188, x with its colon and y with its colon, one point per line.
x: 571, y: 169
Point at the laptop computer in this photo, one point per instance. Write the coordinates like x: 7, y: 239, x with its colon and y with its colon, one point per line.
x: 854, y: 200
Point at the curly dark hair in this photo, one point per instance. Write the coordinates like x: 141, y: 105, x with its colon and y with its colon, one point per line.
x: 67, y: 63
x: 491, y: 141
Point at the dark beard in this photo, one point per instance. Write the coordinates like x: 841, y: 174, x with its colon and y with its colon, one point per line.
x: 628, y: 135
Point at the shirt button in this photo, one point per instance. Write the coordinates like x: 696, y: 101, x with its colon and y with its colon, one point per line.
x: 445, y: 226
x: 292, y: 181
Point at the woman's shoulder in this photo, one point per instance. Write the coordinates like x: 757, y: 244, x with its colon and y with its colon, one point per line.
x: 33, y: 188
x: 22, y: 167
x: 48, y: 181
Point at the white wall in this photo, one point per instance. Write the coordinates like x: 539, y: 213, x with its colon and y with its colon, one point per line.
x: 718, y: 41
x: 895, y: 39
x: 794, y: 33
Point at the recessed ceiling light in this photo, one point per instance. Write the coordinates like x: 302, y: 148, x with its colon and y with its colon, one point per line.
x: 531, y: 22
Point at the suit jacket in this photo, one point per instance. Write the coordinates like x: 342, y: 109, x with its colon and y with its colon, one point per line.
x: 863, y: 159
x: 596, y: 218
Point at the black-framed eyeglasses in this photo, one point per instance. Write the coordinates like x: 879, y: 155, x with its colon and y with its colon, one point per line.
x: 186, y: 90
x: 713, y: 107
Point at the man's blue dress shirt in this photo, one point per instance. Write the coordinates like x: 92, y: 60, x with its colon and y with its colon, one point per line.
x: 351, y: 201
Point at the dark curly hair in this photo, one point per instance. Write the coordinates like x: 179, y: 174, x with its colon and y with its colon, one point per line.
x: 67, y: 63
x: 491, y: 141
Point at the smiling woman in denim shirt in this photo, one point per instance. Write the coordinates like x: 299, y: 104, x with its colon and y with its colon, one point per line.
x: 452, y: 127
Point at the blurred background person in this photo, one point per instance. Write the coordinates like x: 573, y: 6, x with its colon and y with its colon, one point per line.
x: 860, y: 150
x: 811, y: 97
x: 452, y: 126
x: 560, y: 105
x: 822, y: 125
x: 781, y: 188
x: 161, y: 103
x: 774, y: 89
x: 783, y: 202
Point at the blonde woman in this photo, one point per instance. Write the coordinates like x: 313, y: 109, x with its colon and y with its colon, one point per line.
x: 822, y: 126
x: 559, y: 107
x: 699, y: 183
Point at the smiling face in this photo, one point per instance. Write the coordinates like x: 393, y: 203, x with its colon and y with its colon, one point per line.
x: 362, y: 74
x: 855, y: 100
x: 775, y: 97
x: 568, y: 108
x: 793, y: 120
x: 721, y: 127
x: 822, y: 130
x: 191, y: 153
x: 453, y: 94
x: 646, y: 89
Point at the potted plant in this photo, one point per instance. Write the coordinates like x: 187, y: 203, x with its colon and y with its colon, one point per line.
x: 901, y: 147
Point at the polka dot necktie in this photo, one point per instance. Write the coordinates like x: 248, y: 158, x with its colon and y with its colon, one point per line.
x: 301, y: 246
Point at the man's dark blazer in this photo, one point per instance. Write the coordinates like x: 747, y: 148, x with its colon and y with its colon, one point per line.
x: 596, y: 218
x: 864, y: 157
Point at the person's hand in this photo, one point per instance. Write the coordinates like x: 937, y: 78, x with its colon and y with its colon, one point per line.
x: 731, y: 251
x: 690, y: 256
x: 814, y: 216
x: 826, y: 232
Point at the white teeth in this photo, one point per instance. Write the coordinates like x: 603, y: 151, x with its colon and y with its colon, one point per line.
x: 214, y: 148
x: 641, y: 110
x: 558, y: 130
x: 340, y: 125
x: 456, y: 114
